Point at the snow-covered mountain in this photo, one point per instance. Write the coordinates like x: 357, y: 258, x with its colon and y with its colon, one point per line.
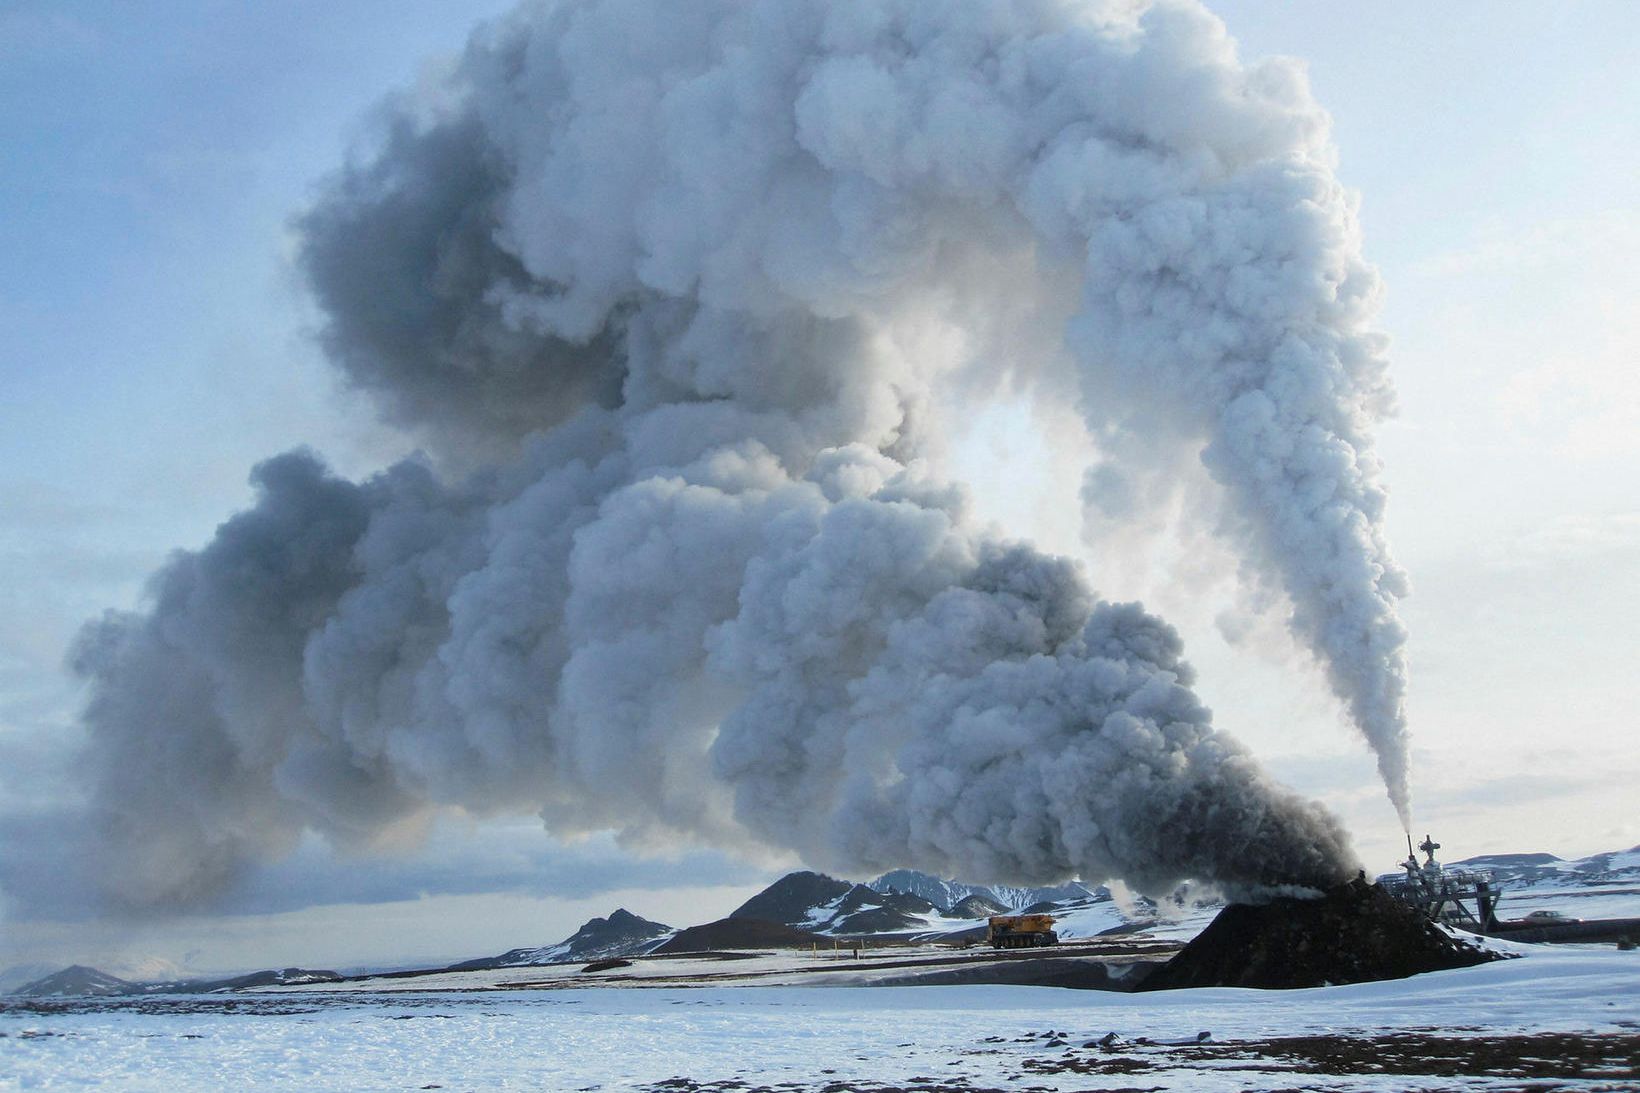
x: 946, y: 894
x: 835, y: 908
x: 898, y: 904
x: 864, y: 910
x: 1612, y: 869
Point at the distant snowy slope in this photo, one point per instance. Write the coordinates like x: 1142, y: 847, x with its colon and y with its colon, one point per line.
x: 1540, y: 871
x: 1600, y: 886
x: 1019, y: 898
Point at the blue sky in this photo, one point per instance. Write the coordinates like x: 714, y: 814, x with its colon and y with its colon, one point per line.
x: 154, y: 344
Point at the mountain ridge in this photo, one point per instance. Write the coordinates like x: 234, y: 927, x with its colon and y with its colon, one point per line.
x: 622, y: 934
x: 814, y: 907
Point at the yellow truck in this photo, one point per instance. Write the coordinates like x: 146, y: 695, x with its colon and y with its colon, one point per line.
x: 1021, y: 931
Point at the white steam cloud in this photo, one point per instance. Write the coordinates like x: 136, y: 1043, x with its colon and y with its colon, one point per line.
x: 662, y: 280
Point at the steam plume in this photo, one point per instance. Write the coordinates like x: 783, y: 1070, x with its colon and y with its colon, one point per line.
x: 662, y: 280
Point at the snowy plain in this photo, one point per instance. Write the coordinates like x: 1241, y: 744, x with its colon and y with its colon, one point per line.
x: 783, y: 1021
x: 796, y: 1038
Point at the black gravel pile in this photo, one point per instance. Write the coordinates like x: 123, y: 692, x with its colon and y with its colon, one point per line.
x: 1354, y: 933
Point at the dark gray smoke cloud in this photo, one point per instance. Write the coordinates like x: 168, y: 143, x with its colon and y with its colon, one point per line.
x: 404, y: 260
x: 682, y: 281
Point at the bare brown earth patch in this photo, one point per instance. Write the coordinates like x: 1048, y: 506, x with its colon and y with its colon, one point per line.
x: 1613, y: 1057
x: 1537, y: 1061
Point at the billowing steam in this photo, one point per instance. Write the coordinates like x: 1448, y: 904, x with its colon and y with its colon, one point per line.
x: 675, y: 287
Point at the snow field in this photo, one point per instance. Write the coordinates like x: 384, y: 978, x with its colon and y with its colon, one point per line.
x: 611, y: 1039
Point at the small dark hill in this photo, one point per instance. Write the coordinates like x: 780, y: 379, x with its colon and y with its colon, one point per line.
x: 1522, y: 870
x: 621, y: 934
x: 792, y: 897
x: 76, y: 980
x: 268, y: 977
x: 737, y: 933
x: 1492, y: 860
x: 1355, y: 933
x: 273, y: 977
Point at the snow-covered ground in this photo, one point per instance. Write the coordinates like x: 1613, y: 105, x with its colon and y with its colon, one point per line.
x: 1578, y: 902
x: 1576, y: 894
x: 1562, y: 1017
x: 819, y: 1039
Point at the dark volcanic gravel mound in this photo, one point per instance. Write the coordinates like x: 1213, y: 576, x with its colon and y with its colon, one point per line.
x: 1355, y: 933
x: 738, y: 933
